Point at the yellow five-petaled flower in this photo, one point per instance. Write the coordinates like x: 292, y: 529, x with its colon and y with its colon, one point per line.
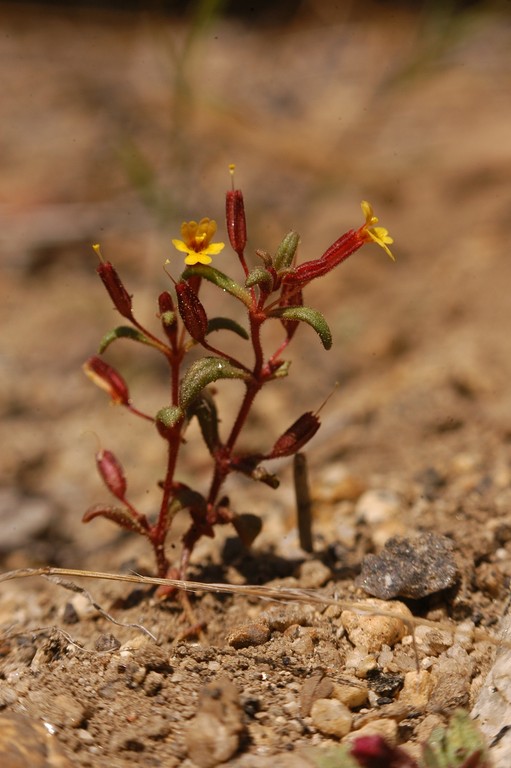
x: 196, y: 242
x: 378, y: 235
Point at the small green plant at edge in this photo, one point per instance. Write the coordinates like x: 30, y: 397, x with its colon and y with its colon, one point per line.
x: 271, y: 290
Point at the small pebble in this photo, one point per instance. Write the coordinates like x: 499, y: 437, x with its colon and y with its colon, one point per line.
x: 387, y: 728
x: 317, y: 686
x: 417, y: 688
x: 371, y: 632
x: 351, y: 696
x: 153, y: 683
x: 331, y: 717
x: 378, y: 506
x: 106, y: 642
x: 313, y: 574
x: 246, y: 635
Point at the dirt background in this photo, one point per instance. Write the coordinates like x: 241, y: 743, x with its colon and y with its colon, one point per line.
x: 116, y: 126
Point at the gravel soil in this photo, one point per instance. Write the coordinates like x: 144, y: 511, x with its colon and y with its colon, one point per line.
x: 116, y: 126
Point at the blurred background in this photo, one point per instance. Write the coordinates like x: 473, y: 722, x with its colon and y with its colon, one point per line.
x: 119, y: 120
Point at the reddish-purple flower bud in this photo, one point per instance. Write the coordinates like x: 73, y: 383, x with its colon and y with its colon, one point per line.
x: 112, y: 473
x: 236, y: 222
x: 116, y: 290
x: 296, y: 436
x: 374, y: 752
x: 192, y: 312
x: 343, y: 247
x: 107, y: 378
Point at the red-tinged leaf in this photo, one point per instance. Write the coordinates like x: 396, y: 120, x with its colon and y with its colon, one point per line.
x: 122, y: 517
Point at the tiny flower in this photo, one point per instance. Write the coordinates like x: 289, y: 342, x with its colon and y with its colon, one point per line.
x: 196, y: 242
x: 378, y: 235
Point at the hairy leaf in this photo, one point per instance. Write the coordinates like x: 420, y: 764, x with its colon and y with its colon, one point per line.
x: 123, y: 332
x: 226, y: 324
x: 204, y: 372
x: 122, y: 517
x: 307, y: 315
x: 219, y: 279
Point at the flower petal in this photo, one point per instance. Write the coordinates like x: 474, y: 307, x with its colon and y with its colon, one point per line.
x: 214, y: 248
x: 180, y: 246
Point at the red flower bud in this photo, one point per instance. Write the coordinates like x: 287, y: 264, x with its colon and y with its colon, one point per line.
x: 343, y: 247
x: 296, y: 436
x: 236, y: 222
x: 107, y: 378
x: 115, y: 288
x: 192, y: 312
x: 112, y: 473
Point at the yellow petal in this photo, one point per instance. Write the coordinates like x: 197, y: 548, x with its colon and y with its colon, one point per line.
x: 214, y: 248
x: 181, y: 246
x: 367, y: 210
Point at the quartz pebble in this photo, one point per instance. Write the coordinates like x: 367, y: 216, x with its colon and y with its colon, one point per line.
x: 377, y: 506
x: 351, y: 695
x: 331, y: 717
x: 385, y: 727
x: 370, y: 631
x: 417, y: 688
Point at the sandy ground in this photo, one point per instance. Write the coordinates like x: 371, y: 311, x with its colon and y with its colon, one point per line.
x: 115, y: 128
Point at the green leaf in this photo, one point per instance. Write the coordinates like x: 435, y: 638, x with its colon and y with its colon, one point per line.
x: 226, y: 324
x: 259, y: 276
x: 286, y: 251
x: 123, y: 332
x: 307, y: 315
x: 204, y: 372
x: 219, y: 279
x: 282, y: 371
x: 458, y: 745
x: 204, y: 408
x: 170, y: 416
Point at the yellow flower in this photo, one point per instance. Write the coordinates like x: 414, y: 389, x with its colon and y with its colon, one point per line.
x: 378, y: 235
x: 196, y: 242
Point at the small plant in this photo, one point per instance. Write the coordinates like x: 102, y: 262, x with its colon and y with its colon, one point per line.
x: 459, y: 745
x: 270, y: 291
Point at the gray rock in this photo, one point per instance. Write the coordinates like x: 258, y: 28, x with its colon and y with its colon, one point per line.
x: 413, y: 568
